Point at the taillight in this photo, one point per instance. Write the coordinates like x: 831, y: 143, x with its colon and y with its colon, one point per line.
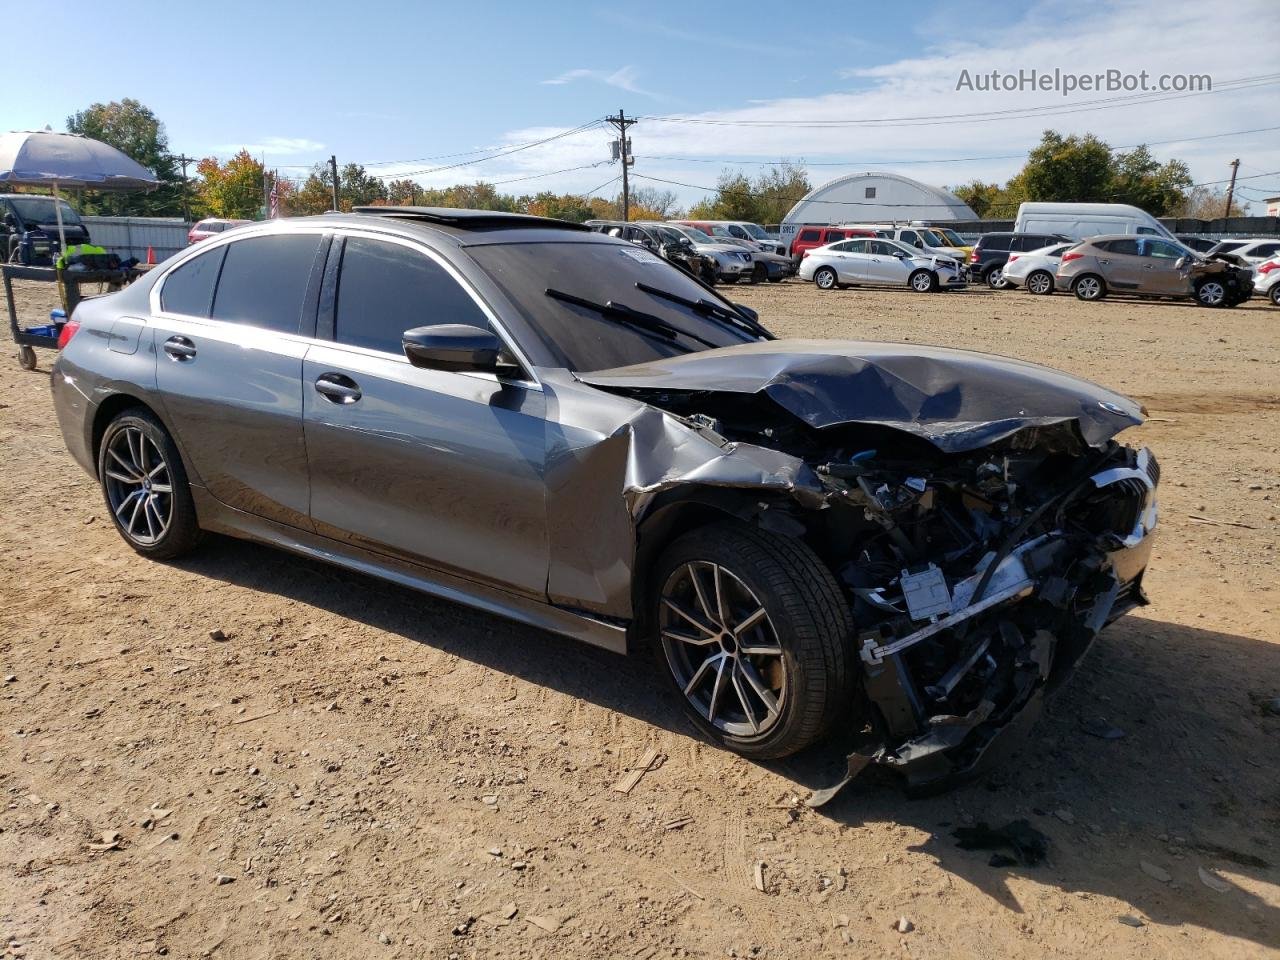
x: 973, y: 256
x: 69, y: 330
x: 1012, y: 258
x: 1069, y: 256
x: 1268, y: 266
x: 803, y: 255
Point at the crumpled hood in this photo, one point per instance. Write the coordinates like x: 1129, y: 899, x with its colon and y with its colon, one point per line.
x: 956, y: 399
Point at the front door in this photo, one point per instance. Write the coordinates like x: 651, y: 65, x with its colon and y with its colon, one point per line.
x: 886, y: 265
x: 1162, y: 274
x: 438, y: 467
x: 229, y: 368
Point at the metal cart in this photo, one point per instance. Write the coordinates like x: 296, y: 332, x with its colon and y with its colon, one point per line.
x: 69, y: 282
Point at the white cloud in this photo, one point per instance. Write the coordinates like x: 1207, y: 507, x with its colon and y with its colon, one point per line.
x: 1120, y: 36
x: 274, y: 147
x: 623, y: 78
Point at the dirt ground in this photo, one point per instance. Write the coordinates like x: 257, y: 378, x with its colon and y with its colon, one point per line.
x: 361, y: 771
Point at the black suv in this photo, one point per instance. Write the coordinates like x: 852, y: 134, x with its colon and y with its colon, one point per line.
x: 992, y: 250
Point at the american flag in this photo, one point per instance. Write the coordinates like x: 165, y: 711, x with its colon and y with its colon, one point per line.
x: 275, y: 201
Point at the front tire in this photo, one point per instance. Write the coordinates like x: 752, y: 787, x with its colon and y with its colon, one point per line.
x: 995, y: 278
x: 1089, y: 287
x: 1040, y: 282
x: 1211, y: 293
x: 826, y: 278
x: 753, y: 632
x: 923, y: 281
x: 145, y: 486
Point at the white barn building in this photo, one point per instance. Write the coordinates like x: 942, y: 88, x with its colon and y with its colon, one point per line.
x: 874, y: 197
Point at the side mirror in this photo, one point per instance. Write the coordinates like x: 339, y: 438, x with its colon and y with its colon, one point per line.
x: 1180, y: 263
x: 900, y: 254
x: 457, y: 347
x: 918, y: 244
x: 747, y: 311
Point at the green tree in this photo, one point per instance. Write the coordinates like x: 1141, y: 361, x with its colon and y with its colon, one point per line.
x: 233, y: 189
x: 133, y: 129
x: 766, y: 199
x: 980, y: 197
x: 1069, y: 169
x: 1138, y: 178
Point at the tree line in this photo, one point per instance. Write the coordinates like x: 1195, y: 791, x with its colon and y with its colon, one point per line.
x: 1078, y: 168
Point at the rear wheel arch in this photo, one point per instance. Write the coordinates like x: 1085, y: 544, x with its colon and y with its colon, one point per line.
x: 117, y: 404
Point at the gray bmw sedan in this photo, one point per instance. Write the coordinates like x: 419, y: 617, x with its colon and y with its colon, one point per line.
x: 560, y: 427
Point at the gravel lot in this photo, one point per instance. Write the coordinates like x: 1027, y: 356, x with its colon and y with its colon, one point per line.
x: 360, y: 771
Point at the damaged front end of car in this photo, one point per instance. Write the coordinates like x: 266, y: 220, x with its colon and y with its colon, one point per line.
x: 982, y: 520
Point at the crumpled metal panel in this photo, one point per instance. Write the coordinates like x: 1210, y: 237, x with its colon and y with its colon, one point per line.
x: 607, y: 458
x: 957, y: 400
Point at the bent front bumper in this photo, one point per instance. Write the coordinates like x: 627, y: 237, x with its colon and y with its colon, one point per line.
x: 1038, y: 614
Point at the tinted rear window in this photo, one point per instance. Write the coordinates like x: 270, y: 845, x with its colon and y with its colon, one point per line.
x: 808, y: 235
x: 385, y: 289
x: 189, y: 289
x: 1126, y: 246
x: 264, y: 281
x: 995, y: 242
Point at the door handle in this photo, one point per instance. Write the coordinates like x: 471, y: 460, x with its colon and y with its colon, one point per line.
x: 336, y: 388
x: 1104, y: 261
x: 180, y: 348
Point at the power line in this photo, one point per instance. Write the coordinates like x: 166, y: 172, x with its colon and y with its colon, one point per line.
x: 595, y: 190
x: 1011, y: 156
x: 986, y: 116
x: 493, y: 156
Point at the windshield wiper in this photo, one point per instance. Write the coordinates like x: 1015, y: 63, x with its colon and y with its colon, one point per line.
x: 630, y: 316
x: 708, y: 308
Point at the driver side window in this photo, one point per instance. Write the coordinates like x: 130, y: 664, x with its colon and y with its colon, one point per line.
x: 385, y: 289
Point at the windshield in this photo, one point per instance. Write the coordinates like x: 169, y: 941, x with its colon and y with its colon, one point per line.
x: 952, y: 238
x: 606, y: 275
x: 755, y: 230
x: 698, y: 236
x: 932, y: 239
x: 40, y: 210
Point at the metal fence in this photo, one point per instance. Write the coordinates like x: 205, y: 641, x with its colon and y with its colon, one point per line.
x: 132, y: 236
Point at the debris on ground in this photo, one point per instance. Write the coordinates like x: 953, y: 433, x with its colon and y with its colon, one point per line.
x: 1028, y: 844
x: 759, y: 876
x: 223, y: 879
x: 904, y: 925
x: 1100, y: 728
x: 1213, y: 881
x: 1154, y: 872
x: 217, y: 636
x: 1065, y: 815
x: 651, y: 760
x: 1130, y: 921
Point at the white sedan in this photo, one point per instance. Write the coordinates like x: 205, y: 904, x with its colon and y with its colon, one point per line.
x: 866, y: 260
x: 1266, y: 279
x: 1035, y: 269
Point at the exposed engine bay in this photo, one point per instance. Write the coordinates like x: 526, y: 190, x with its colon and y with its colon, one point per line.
x: 979, y: 559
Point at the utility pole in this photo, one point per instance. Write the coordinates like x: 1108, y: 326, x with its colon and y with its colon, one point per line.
x: 183, y: 159
x: 333, y: 172
x: 622, y: 151
x: 1231, y: 190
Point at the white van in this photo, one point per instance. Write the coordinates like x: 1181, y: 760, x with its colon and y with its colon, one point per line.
x: 1080, y: 221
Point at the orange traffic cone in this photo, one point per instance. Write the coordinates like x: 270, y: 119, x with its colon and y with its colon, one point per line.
x: 151, y: 256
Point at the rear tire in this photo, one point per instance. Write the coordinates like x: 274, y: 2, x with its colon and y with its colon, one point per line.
x: 145, y: 487
x: 763, y: 668
x: 1275, y: 294
x: 995, y: 278
x: 1089, y: 287
x: 825, y: 278
x: 1040, y: 282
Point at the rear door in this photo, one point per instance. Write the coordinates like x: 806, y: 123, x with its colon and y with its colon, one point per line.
x: 1122, y: 265
x: 232, y: 327
x: 437, y: 467
x: 847, y: 257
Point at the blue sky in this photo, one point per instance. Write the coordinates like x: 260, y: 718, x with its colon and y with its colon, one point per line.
x: 380, y: 82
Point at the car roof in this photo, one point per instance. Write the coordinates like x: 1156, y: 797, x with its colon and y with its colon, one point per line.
x: 463, y: 227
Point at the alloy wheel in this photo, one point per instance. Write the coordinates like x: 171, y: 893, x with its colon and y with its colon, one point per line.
x: 1088, y: 288
x: 995, y: 279
x: 139, y: 486
x: 826, y: 279
x: 722, y: 649
x: 922, y: 282
x: 1211, y: 293
x: 1039, y: 283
